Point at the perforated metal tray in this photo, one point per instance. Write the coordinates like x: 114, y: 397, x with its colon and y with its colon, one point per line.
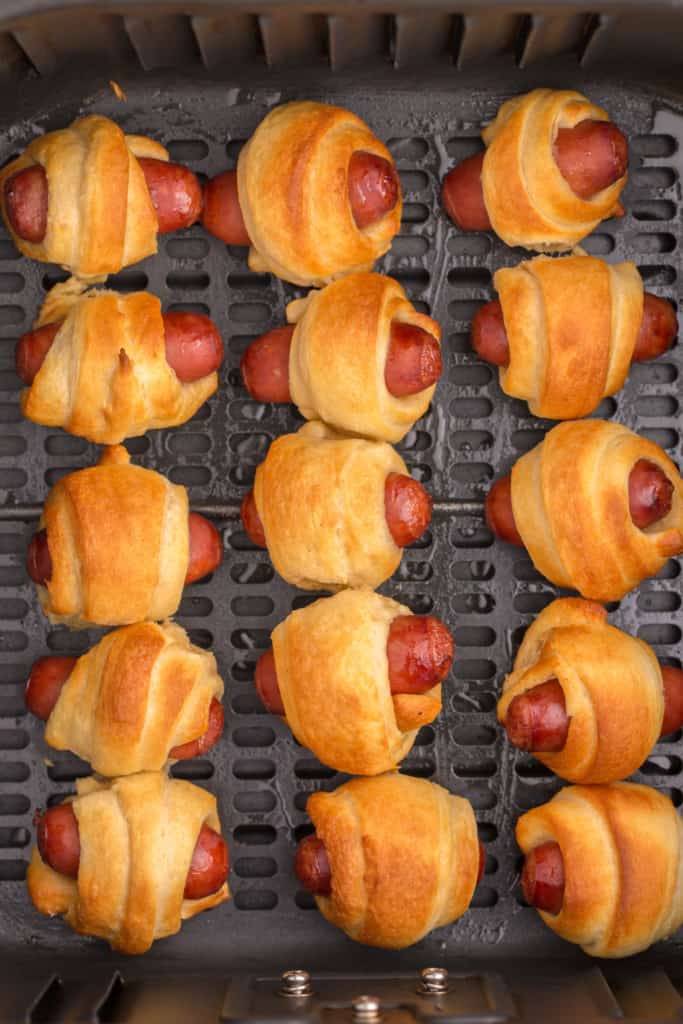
x: 486, y: 592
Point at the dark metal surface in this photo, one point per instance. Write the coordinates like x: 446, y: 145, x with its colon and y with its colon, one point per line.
x: 487, y: 593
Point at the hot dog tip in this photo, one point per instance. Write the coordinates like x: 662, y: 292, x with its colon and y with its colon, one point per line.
x: 536, y: 720
x: 265, y: 366
x: 44, y: 684
x: 408, y: 508
x: 543, y: 878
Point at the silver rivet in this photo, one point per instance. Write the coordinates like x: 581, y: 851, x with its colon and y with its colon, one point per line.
x: 434, y: 981
x: 296, y: 984
x: 366, y: 1008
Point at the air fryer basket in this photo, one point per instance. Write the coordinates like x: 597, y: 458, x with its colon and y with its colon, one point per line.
x: 425, y: 80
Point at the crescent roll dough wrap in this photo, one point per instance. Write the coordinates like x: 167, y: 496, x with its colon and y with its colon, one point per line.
x: 571, y: 507
x: 621, y: 847
x: 106, y: 376
x: 572, y: 325
x: 528, y: 201
x: 339, y: 351
x: 333, y: 673
x: 612, y: 686
x: 292, y: 187
x: 141, y: 691
x: 119, y: 542
x: 100, y: 215
x: 320, y: 497
x: 137, y: 838
x: 404, y: 857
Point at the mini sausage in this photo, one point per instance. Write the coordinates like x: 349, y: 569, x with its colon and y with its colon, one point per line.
x: 45, y: 683
x: 222, y: 215
x: 650, y: 495
x: 408, y: 508
x: 657, y: 331
x: 26, y: 198
x: 206, y: 548
x: 194, y: 348
x: 413, y: 360
x: 60, y: 847
x: 420, y: 652
x: 265, y: 366
x: 175, y: 191
x: 267, y: 686
x: 413, y: 363
x: 590, y: 156
x: 537, y: 719
x: 206, y: 552
x: 373, y: 187
x: 543, y: 878
x: 499, y: 514
x: 312, y: 866
x: 251, y: 521
x: 407, y: 505
x: 672, y: 679
x: 208, y: 739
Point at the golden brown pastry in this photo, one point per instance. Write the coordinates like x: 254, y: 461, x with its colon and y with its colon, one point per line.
x: 105, y: 218
x: 128, y: 703
x: 321, y: 498
x: 119, y: 544
x: 333, y: 672
x: 571, y: 505
x: 402, y: 858
x: 611, y: 855
x: 106, y: 376
x: 339, y: 352
x: 307, y: 235
x: 528, y: 200
x: 572, y: 325
x: 596, y: 698
x: 137, y: 838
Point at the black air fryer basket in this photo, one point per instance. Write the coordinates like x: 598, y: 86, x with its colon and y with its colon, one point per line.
x: 199, y: 77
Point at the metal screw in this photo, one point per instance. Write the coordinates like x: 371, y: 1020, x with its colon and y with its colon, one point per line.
x: 366, y: 1009
x: 434, y: 981
x: 296, y: 984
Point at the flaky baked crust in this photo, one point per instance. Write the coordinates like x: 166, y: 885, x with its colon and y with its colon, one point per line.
x: 138, y: 693
x: 292, y: 187
x: 339, y: 352
x: 571, y: 507
x: 528, y: 201
x: 333, y: 673
x: 320, y: 497
x: 612, y: 685
x: 621, y: 846
x: 100, y: 215
x: 119, y: 542
x: 404, y: 857
x: 572, y: 325
x: 106, y: 376
x: 137, y: 838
